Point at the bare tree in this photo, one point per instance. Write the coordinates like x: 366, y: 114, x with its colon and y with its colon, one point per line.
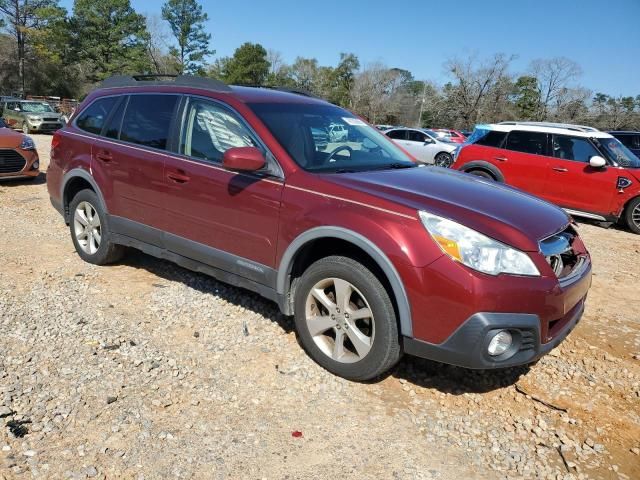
x: 554, y: 76
x: 474, y: 80
x: 276, y: 62
x: 158, y: 43
x: 373, y: 91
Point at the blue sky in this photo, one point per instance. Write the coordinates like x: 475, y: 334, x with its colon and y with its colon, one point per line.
x: 419, y: 35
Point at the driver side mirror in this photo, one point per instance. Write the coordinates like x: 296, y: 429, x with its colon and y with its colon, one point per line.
x: 243, y: 159
x: 428, y: 141
x: 597, y: 161
x: 17, y: 109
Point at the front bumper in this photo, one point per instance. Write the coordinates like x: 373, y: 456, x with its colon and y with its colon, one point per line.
x: 44, y: 126
x: 29, y: 166
x: 467, y: 346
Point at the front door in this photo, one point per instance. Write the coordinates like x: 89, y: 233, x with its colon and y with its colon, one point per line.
x: 575, y: 184
x: 225, y: 219
x: 421, y: 146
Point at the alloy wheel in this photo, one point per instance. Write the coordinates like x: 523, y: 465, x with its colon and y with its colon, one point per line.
x: 635, y: 216
x: 87, y: 228
x: 340, y: 320
x: 443, y: 160
x: 25, y: 129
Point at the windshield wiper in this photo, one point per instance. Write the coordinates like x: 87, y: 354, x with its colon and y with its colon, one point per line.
x: 396, y: 166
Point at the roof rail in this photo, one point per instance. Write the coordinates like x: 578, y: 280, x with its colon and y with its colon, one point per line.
x: 156, y: 80
x: 297, y: 91
x: 566, y: 126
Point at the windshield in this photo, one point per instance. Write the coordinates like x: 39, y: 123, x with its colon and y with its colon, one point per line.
x: 326, y: 138
x: 618, y: 152
x: 33, y: 107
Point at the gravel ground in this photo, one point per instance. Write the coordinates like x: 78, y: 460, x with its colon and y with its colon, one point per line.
x: 146, y: 370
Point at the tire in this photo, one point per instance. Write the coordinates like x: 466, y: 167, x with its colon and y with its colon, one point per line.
x: 375, y: 335
x: 443, y: 159
x: 99, y: 251
x: 632, y: 215
x: 25, y: 128
x: 483, y: 174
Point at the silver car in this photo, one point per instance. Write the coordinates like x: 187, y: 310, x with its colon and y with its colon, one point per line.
x: 31, y: 116
x: 426, y: 147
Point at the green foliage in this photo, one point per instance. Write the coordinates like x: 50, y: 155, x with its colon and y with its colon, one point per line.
x: 247, y: 66
x: 108, y: 38
x: 527, y: 97
x: 187, y: 21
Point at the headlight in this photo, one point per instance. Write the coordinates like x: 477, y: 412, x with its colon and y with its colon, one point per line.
x: 27, y: 144
x: 475, y: 250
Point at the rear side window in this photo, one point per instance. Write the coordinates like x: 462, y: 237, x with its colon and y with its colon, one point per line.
x: 147, y: 120
x: 93, y: 118
x: 492, y: 139
x: 397, y: 134
x: 534, y: 143
x: 573, y: 148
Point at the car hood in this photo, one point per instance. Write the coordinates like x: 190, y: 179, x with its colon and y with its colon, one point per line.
x: 496, y: 210
x: 10, y: 138
x: 55, y: 115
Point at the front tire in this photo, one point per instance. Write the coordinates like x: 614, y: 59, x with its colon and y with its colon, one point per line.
x: 25, y: 128
x: 632, y: 215
x: 443, y: 160
x: 483, y: 174
x: 345, y: 319
x: 90, y: 230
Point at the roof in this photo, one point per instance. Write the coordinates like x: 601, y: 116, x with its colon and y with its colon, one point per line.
x: 549, y: 127
x: 187, y: 82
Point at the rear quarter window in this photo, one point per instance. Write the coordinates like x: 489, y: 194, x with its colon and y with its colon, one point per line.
x: 93, y: 117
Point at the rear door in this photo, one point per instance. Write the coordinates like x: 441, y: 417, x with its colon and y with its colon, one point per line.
x: 524, y: 161
x: 573, y: 183
x: 129, y: 157
x: 225, y: 219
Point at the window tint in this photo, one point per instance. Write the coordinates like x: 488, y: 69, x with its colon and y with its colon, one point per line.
x: 147, y: 120
x: 492, y: 139
x: 113, y: 127
x: 416, y: 136
x: 211, y: 130
x: 93, y: 118
x: 397, y: 134
x: 527, y: 142
x: 629, y: 140
x: 573, y: 148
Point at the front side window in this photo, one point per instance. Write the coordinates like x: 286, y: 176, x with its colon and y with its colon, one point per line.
x: 147, y: 120
x: 359, y: 147
x: 534, y: 143
x: 573, y: 148
x: 210, y: 130
x: 618, y: 152
x: 92, y: 119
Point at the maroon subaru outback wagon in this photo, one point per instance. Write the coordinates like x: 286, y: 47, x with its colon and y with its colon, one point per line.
x: 372, y: 254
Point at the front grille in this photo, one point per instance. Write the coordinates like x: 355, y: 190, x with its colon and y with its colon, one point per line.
x: 559, y: 252
x: 528, y: 340
x: 50, y: 119
x: 11, y: 161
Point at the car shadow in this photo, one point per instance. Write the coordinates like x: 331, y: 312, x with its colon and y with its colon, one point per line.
x: 207, y: 285
x: 416, y: 371
x: 455, y: 380
x: 17, y: 182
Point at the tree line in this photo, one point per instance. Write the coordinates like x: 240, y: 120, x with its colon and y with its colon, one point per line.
x: 47, y: 50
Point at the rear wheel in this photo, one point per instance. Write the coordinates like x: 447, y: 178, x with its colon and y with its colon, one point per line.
x: 443, y: 159
x: 482, y: 173
x: 345, y: 319
x: 90, y: 230
x: 632, y: 215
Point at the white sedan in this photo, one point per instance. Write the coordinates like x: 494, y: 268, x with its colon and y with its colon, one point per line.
x: 424, y: 147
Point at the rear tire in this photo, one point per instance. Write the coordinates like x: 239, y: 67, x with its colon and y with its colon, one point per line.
x: 483, y: 174
x: 632, y: 215
x: 89, y: 229
x: 345, y: 319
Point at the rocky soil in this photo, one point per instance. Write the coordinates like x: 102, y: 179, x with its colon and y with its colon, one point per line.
x: 146, y: 370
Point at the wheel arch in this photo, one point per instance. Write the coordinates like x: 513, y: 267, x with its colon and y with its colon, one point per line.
x: 74, y: 181
x: 296, y: 250
x: 486, y: 166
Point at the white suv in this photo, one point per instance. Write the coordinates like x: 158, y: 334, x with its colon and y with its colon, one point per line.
x: 424, y: 147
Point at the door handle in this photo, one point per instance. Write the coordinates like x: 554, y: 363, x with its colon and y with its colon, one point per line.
x: 104, y: 156
x: 560, y: 169
x: 178, y: 177
x: 501, y: 159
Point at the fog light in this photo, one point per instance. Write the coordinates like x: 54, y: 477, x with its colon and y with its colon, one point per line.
x: 36, y: 165
x: 500, y: 343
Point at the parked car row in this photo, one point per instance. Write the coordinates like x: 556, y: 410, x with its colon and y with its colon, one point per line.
x: 30, y: 116
x: 262, y: 189
x: 18, y: 155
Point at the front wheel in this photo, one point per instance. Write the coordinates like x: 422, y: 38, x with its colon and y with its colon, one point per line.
x: 444, y: 160
x: 632, y: 215
x: 25, y: 128
x: 345, y: 319
x: 483, y: 174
